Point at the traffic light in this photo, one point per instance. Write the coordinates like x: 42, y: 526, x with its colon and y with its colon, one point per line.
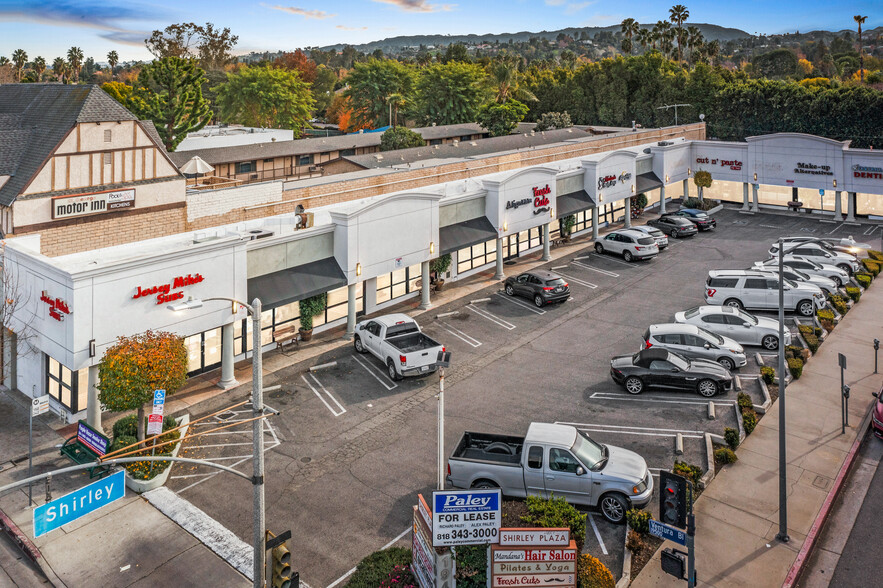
x: 672, y: 499
x: 281, y: 577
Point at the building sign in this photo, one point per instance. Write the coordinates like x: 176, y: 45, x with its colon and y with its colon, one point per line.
x: 624, y: 177
x: 540, y: 200
x: 91, y: 438
x: 534, y: 536
x: 79, y: 503
x: 733, y: 164
x: 164, y: 292
x: 528, y: 565
x: 606, y: 181
x: 57, y: 307
x: 813, y: 169
x: 466, y: 517
x: 863, y: 171
x: 95, y: 203
x: 422, y: 553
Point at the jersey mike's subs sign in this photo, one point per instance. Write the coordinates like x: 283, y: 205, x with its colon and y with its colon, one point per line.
x: 78, y: 205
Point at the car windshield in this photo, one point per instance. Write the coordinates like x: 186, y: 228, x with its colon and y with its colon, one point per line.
x: 555, y: 282
x: 790, y: 283
x: 712, y: 336
x: 700, y: 215
x: 678, y: 361
x: 587, y: 451
x: 692, y: 312
x: 748, y: 318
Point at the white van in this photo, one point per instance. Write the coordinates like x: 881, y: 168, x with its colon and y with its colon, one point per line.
x: 760, y: 290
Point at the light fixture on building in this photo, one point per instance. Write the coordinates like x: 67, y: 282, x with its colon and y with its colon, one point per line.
x: 633, y: 188
x: 431, y: 247
x: 755, y: 176
x: 689, y: 172
x: 666, y: 178
x: 551, y: 213
x: 600, y: 198
x: 835, y: 182
x: 188, y: 304
x: 91, y: 347
x: 505, y: 226
x: 358, y: 269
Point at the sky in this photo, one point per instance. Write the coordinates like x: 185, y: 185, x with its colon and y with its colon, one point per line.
x: 50, y: 27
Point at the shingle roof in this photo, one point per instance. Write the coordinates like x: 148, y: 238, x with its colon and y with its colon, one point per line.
x: 34, y: 118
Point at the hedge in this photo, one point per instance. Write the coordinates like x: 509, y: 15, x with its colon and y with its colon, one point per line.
x: 725, y: 455
x: 809, y: 335
x: 839, y: 303
x: 875, y: 255
x: 872, y: 266
x: 768, y: 374
x: 795, y: 366
x: 863, y: 279
x: 853, y: 293
x: 825, y: 314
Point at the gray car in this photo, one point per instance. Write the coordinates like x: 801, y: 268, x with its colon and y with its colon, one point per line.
x: 839, y: 275
x: 825, y: 284
x: 735, y: 323
x: 695, y: 342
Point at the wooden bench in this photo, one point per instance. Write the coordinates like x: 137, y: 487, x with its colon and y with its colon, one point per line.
x: 284, y: 335
x: 80, y: 453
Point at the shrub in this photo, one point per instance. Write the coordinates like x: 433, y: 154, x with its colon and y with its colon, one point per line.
x: 875, y: 255
x: 744, y: 400
x: 872, y: 266
x: 634, y: 542
x: 825, y: 314
x: 768, y: 374
x: 749, y: 420
x: 638, y: 519
x: 440, y: 265
x: 471, y: 566
x: 128, y: 426
x: 400, y: 577
x: 591, y: 573
x: 310, y: 307
x: 640, y: 201
x: 705, y: 204
x: 795, y: 366
x: 120, y: 441
x: 375, y: 568
x: 812, y: 342
x: 828, y: 325
x: 556, y: 512
x: 689, y: 471
x: 839, y: 303
x: 731, y: 436
x: 725, y: 455
x: 566, y: 224
x: 853, y: 293
x: 863, y: 279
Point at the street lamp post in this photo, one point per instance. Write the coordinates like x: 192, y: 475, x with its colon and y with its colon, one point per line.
x: 257, y: 401
x: 782, y: 535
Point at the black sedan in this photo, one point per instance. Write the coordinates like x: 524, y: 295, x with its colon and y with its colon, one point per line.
x: 540, y: 286
x: 660, y: 368
x: 698, y: 217
x: 674, y: 226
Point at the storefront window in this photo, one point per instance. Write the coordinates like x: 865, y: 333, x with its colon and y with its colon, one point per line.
x: 470, y: 258
x: 68, y: 387
x: 398, y: 283
x: 609, y: 213
x: 337, y: 305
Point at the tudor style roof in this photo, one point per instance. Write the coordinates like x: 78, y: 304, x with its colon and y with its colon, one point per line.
x: 34, y: 119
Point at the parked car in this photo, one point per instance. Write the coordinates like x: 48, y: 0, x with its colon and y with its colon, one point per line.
x: 629, y: 243
x: 661, y: 239
x: 541, y: 286
x: 839, y: 275
x: 877, y: 416
x: 396, y: 340
x: 844, y: 245
x: 819, y: 254
x: 760, y: 290
x: 693, y: 341
x: 698, y: 217
x: 737, y: 324
x: 675, y: 226
x: 772, y: 265
x: 553, y: 460
x: 661, y: 368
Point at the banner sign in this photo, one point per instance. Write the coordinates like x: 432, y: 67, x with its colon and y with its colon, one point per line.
x: 91, y: 438
x: 70, y: 507
x: 466, y: 517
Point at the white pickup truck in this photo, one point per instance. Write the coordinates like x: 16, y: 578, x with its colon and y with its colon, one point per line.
x: 397, y: 341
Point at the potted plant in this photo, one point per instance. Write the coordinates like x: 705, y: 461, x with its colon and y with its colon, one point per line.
x: 566, y: 225
x: 310, y: 307
x: 702, y: 179
x: 439, y: 266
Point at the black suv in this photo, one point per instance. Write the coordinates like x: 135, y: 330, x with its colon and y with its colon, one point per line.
x: 540, y: 286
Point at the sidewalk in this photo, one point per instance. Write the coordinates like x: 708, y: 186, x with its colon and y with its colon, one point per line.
x: 737, y: 517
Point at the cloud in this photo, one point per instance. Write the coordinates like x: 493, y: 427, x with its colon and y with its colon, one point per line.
x: 82, y: 13
x: 317, y: 14
x: 555, y: 2
x: 344, y: 28
x: 134, y: 38
x: 418, y: 5
x: 578, y: 6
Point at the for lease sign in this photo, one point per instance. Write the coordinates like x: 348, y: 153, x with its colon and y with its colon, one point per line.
x: 466, y: 517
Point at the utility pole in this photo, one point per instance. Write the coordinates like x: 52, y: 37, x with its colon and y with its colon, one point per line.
x: 442, y: 361
x: 675, y: 106
x: 257, y: 402
x: 782, y: 535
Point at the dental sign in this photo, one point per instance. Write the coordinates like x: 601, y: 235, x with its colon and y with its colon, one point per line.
x: 95, y: 203
x: 163, y: 293
x: 540, y: 200
x: 466, y: 517
x: 867, y: 172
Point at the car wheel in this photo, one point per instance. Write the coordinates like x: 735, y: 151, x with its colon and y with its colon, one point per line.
x: 538, y: 301
x: 806, y: 307
x: 357, y: 343
x: 634, y: 385
x: 627, y: 255
x: 484, y: 485
x: 599, y: 248
x: 707, y: 388
x: 727, y: 363
x: 845, y: 268
x: 510, y: 290
x: 770, y: 342
x: 613, y: 507
x: 837, y: 281
x: 391, y: 370
x: 734, y: 302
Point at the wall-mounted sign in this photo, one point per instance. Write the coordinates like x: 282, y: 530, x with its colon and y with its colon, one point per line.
x: 535, y: 536
x: 164, y: 292
x: 95, y: 203
x: 733, y: 164
x: 871, y: 173
x: 57, y: 307
x: 541, y: 199
x: 606, y: 181
x: 813, y: 169
x: 624, y: 177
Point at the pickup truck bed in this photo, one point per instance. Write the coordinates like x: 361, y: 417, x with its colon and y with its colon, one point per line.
x: 412, y: 342
x: 501, y: 449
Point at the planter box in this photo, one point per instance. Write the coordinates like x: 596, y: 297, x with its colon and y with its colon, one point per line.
x: 715, y: 209
x: 140, y: 486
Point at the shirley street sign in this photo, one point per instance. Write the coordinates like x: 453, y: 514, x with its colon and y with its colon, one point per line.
x: 79, y: 503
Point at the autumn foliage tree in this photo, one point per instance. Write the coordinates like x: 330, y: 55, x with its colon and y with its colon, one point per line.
x: 298, y: 61
x: 135, y: 366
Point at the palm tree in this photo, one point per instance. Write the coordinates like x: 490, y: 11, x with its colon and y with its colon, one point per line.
x: 679, y: 14
x: 39, y: 67
x: 659, y: 30
x: 712, y: 50
x: 861, y: 56
x: 112, y: 60
x: 504, y: 80
x: 3, y: 60
x: 395, y: 101
x: 667, y: 43
x: 19, y: 59
x: 695, y: 39
x: 629, y: 28
x: 645, y: 37
x: 59, y: 68
x: 75, y: 60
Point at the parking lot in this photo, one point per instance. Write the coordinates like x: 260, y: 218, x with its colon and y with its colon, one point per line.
x: 354, y: 448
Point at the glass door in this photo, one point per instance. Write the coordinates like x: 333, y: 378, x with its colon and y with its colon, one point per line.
x: 203, y: 351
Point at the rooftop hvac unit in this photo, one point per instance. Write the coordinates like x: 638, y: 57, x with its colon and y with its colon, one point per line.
x: 259, y: 234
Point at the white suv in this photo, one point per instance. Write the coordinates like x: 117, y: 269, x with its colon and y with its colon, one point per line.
x: 629, y: 243
x: 819, y: 254
x: 757, y: 289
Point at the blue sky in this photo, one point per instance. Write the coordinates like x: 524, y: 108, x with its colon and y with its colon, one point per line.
x: 49, y: 28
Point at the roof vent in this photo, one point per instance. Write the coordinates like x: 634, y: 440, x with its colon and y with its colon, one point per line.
x: 665, y: 143
x: 647, y: 150
x: 259, y: 234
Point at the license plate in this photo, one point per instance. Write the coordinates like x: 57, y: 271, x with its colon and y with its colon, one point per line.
x: 559, y: 289
x: 424, y: 368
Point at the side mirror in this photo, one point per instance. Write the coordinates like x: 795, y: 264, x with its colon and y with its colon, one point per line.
x: 746, y: 325
x: 361, y: 327
x: 580, y: 471
x: 707, y: 345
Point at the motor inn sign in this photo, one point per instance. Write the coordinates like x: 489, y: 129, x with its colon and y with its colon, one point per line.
x: 95, y: 203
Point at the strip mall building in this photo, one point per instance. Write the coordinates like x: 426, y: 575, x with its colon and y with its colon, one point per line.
x: 368, y: 244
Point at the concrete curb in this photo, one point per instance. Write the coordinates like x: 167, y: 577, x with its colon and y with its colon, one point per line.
x: 141, y: 486
x: 626, y: 578
x: 739, y: 422
x: 766, y: 397
x: 714, y: 209
x: 708, y: 476
x: 827, y: 505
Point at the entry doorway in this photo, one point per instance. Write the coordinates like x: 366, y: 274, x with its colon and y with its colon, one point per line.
x: 203, y: 351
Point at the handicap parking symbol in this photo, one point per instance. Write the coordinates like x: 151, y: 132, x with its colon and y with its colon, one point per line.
x: 159, y: 397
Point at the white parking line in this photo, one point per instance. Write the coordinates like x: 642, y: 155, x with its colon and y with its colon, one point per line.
x: 491, y: 317
x: 370, y: 369
x: 597, y: 534
x: 870, y: 230
x: 350, y: 573
x: 595, y: 269
x: 336, y: 413
x: 460, y: 334
x: 578, y: 281
x: 521, y: 304
x: 624, y: 398
x: 608, y: 258
x: 627, y: 430
x: 836, y: 228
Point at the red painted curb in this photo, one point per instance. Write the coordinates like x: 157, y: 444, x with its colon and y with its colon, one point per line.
x: 20, y: 539
x: 806, y: 550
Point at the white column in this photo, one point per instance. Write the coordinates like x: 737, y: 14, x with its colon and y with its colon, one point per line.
x: 499, y: 275
x: 627, y: 218
x: 547, y: 255
x: 838, y: 207
x: 350, y: 311
x: 687, y: 189
x: 745, y: 205
x: 850, y: 207
x: 662, y: 200
x: 424, y: 286
x: 228, y: 379
x: 755, y: 188
x: 595, y: 223
x: 93, y: 406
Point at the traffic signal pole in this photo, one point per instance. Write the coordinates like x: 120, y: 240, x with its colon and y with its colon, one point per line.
x: 691, y: 552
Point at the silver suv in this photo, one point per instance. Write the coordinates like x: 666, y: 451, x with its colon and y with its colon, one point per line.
x: 661, y: 238
x: 819, y: 254
x: 692, y: 341
x: 629, y: 243
x: 757, y: 289
x: 838, y: 275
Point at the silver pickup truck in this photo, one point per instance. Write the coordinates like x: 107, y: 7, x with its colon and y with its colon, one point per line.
x: 553, y: 460
x: 397, y: 341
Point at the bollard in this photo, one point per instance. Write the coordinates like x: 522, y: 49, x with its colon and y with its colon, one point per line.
x: 711, y: 415
x: 679, y: 444
x: 876, y: 349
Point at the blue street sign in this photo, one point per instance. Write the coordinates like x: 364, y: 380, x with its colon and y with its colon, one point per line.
x: 159, y: 397
x: 664, y: 531
x: 79, y: 503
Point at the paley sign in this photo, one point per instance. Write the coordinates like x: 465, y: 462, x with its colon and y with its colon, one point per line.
x: 164, y: 292
x: 466, y: 517
x: 70, y: 507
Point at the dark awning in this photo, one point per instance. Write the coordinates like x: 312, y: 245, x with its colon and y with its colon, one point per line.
x: 296, y: 283
x: 646, y: 182
x: 574, y: 202
x: 471, y: 232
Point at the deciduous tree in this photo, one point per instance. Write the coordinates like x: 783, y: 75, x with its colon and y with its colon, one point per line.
x: 370, y: 85
x: 298, y: 61
x: 266, y: 96
x: 501, y: 119
x: 400, y: 138
x: 449, y: 93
